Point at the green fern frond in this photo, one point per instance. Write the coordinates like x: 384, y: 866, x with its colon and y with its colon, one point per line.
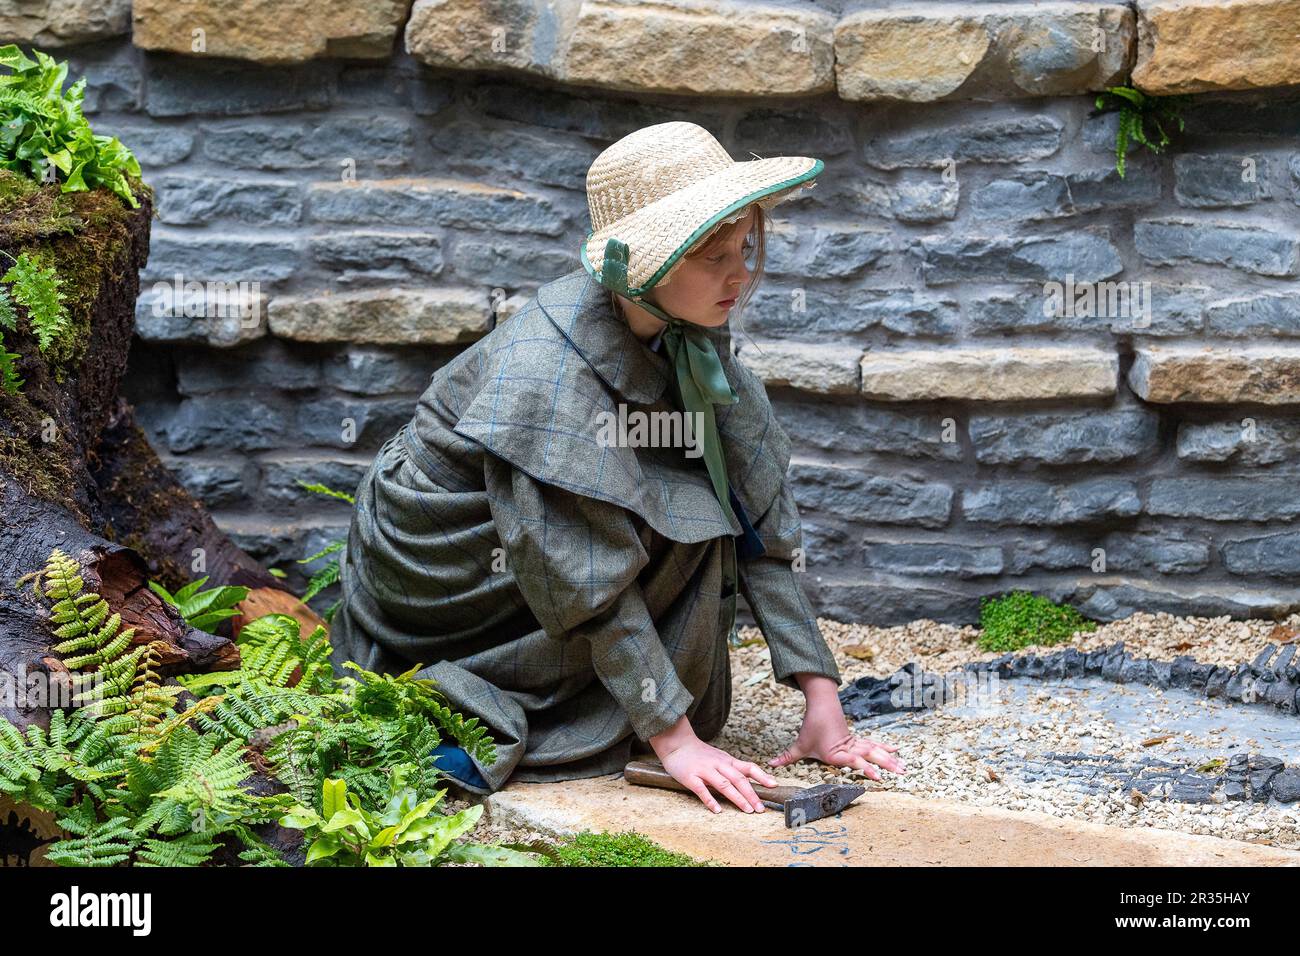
x: 9, y: 378
x: 192, y: 849
x: 8, y: 317
x: 36, y: 286
x: 324, y: 490
x: 258, y: 852
x: 203, y: 609
x: 97, y: 843
x: 322, y: 579
x: 272, y: 648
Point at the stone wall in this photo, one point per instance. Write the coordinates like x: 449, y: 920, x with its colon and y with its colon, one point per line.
x: 396, y: 182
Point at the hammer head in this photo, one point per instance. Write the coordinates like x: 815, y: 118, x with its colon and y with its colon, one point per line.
x: 824, y: 800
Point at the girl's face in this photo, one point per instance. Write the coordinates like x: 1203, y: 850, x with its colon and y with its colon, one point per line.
x: 705, y: 286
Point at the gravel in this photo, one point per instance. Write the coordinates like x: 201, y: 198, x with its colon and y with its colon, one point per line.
x: 765, y: 719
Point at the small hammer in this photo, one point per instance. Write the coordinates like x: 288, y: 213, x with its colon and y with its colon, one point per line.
x: 802, y: 805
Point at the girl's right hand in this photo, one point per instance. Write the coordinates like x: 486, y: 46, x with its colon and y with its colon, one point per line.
x: 698, y: 766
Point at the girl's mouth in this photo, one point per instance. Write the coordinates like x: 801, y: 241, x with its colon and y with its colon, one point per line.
x: 728, y: 302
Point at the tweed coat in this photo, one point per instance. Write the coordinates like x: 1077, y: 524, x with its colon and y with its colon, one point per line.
x: 567, y: 591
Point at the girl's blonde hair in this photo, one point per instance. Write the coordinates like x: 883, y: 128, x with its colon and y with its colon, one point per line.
x: 708, y: 244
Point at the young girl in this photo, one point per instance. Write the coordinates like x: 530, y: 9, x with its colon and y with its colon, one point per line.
x: 577, y: 593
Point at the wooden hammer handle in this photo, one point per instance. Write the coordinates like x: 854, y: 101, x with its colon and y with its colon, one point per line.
x: 651, y: 773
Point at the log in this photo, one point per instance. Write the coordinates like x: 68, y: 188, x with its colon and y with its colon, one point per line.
x: 76, y: 471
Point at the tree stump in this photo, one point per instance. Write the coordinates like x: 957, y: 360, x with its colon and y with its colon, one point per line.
x: 76, y: 471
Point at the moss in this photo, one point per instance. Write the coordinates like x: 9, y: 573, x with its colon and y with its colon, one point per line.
x: 47, y: 476
x: 28, y: 211
x: 628, y: 848
x: 1020, y: 619
x: 85, y: 237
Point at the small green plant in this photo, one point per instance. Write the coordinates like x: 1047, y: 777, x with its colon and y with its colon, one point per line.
x: 1142, y: 119
x: 35, y: 286
x: 330, y: 573
x: 44, y: 135
x: 628, y: 848
x: 406, y: 832
x: 115, y: 678
x: 203, y: 609
x: 1020, y: 619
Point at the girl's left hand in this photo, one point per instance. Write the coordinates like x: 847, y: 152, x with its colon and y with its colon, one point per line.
x: 826, y: 736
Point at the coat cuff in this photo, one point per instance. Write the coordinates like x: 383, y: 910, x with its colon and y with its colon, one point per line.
x: 633, y: 664
x: 776, y: 597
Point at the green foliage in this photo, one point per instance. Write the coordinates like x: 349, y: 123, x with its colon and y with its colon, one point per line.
x: 132, y: 780
x: 405, y: 832
x: 35, y: 286
x: 203, y: 609
x: 43, y: 134
x: 9, y: 380
x: 329, y: 574
x: 389, y: 721
x: 115, y: 678
x: 1020, y: 619
x: 1142, y: 119
x: 325, y: 490
x: 628, y: 848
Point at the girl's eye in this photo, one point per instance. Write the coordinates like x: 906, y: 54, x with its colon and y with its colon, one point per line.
x: 744, y: 252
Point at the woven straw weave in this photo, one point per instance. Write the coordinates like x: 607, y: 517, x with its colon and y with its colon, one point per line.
x: 656, y: 188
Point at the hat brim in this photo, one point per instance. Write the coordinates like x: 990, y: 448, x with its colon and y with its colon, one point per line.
x: 659, y: 234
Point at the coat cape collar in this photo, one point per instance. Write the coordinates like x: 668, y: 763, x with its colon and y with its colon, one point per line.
x: 513, y: 414
x: 580, y: 308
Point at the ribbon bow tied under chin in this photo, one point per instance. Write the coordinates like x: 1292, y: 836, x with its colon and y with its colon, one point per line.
x: 701, y: 381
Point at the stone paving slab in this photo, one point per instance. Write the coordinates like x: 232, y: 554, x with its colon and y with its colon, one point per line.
x: 881, y: 828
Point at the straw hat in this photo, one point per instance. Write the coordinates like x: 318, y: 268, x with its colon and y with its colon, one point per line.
x: 663, y: 188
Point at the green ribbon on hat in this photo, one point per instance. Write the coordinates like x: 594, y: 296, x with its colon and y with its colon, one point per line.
x: 701, y: 382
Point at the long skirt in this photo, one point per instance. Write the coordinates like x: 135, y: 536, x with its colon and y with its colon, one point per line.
x: 416, y: 590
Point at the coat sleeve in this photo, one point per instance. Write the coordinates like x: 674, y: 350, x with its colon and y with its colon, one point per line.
x: 576, y: 560
x: 775, y: 595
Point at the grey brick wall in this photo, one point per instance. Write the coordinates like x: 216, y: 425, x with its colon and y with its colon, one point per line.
x: 950, y: 439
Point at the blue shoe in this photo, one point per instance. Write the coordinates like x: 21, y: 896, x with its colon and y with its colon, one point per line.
x: 454, y: 762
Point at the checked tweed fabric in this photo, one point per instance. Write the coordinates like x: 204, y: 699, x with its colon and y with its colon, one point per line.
x: 569, y: 593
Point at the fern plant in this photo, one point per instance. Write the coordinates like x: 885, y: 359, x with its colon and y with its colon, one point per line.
x: 1142, y: 119
x: 329, y: 574
x: 44, y: 135
x: 35, y: 286
x: 203, y: 609
x: 406, y: 832
x: 133, y: 780
x: 112, y: 680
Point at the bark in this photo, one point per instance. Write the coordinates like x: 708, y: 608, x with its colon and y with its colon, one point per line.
x: 78, y: 474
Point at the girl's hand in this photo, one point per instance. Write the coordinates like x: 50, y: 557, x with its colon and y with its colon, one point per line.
x: 826, y: 736
x: 698, y: 766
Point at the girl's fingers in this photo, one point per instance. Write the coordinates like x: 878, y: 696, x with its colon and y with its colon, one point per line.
x: 697, y: 787
x: 789, y: 755
x: 860, y: 763
x: 751, y: 769
x: 726, y: 788
x: 741, y: 782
